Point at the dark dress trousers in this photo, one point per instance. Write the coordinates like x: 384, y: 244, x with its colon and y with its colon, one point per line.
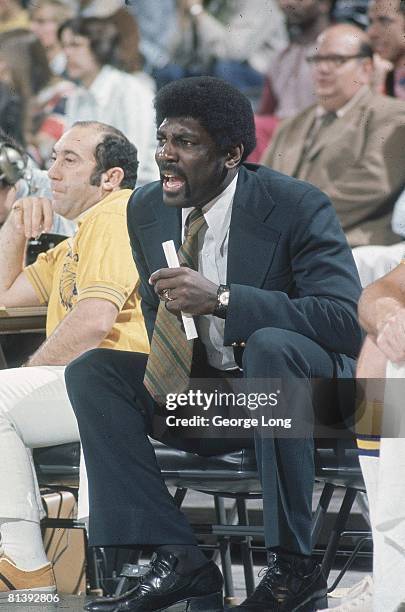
x: 292, y: 314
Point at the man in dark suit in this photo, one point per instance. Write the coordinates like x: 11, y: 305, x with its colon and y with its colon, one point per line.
x: 273, y: 293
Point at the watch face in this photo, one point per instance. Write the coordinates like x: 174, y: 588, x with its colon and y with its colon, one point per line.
x: 224, y: 298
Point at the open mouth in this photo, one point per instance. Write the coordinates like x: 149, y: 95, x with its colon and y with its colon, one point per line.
x: 172, y: 183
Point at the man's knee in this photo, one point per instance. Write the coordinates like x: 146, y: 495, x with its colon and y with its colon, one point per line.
x: 81, y: 373
x: 271, y: 351
x: 270, y: 342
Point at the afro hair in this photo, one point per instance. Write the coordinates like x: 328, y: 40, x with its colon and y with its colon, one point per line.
x: 220, y: 108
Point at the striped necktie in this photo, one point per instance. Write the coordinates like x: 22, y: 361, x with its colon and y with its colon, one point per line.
x: 169, y: 363
x: 318, y: 126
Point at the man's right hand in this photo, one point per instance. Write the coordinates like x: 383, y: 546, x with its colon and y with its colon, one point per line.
x: 391, y: 337
x: 32, y: 216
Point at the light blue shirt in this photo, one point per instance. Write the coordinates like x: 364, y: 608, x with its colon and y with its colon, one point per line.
x: 37, y: 183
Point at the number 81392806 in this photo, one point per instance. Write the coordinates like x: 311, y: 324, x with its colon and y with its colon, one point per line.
x: 28, y: 597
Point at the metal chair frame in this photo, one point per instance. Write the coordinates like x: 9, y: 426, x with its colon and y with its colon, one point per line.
x: 235, y: 526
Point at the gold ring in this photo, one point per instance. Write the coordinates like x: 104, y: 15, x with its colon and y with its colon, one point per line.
x: 165, y: 295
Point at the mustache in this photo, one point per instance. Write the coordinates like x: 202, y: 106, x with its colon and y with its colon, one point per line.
x: 172, y: 169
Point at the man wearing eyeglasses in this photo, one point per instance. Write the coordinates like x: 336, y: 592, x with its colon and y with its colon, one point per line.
x: 350, y: 144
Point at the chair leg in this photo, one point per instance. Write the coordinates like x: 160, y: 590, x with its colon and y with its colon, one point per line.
x: 3, y: 361
x: 93, y: 572
x: 349, y: 562
x: 224, y: 550
x: 246, y: 550
x: 179, y: 496
x: 320, y: 512
x: 362, y: 502
x: 337, y: 530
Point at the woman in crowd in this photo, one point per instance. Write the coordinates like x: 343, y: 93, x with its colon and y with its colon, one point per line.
x: 24, y: 67
x: 46, y: 16
x: 108, y: 94
x: 128, y: 54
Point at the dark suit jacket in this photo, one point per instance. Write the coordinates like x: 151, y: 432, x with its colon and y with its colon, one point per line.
x: 289, y: 265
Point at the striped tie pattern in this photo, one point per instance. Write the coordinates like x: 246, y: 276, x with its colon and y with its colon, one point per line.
x: 169, y: 363
x: 321, y: 124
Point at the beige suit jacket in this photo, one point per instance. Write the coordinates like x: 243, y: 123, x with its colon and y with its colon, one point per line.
x: 358, y: 160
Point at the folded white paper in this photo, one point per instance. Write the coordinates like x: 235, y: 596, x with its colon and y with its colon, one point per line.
x: 173, y: 262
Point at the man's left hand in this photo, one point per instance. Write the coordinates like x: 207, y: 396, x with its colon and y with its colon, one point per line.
x: 188, y: 292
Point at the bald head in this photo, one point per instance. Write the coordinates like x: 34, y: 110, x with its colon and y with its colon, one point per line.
x: 342, y: 65
x: 345, y: 34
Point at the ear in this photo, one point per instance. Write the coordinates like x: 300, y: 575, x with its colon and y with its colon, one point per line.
x: 112, y: 178
x: 234, y: 156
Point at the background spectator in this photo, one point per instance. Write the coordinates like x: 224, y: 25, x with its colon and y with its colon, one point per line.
x: 157, y: 22
x: 24, y: 67
x: 232, y: 40
x: 11, y: 112
x: 12, y: 15
x: 351, y: 144
x: 288, y: 86
x: 46, y: 16
x: 351, y: 11
x: 107, y: 94
x: 127, y: 51
x: 387, y: 35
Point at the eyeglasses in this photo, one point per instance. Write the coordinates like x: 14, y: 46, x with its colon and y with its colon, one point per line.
x: 333, y: 61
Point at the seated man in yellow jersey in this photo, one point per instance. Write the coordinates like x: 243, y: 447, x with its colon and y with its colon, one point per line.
x: 89, y: 283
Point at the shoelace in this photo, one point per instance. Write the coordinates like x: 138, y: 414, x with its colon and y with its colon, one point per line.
x: 275, y: 568
x: 269, y: 572
x: 159, y: 567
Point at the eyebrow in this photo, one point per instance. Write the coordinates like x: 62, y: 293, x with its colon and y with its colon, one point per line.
x: 180, y: 133
x: 65, y: 152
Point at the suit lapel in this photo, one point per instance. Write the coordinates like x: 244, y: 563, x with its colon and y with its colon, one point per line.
x: 293, y: 154
x: 252, y: 242
x: 339, y: 127
x: 163, y: 224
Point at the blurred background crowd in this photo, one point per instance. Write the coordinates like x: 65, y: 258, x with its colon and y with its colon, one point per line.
x: 68, y: 60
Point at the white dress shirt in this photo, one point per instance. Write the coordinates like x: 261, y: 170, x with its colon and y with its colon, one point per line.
x: 212, y: 264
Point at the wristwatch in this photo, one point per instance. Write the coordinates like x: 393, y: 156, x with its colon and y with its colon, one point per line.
x: 221, y: 306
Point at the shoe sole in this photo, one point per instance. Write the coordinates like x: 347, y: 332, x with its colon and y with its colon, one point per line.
x: 208, y: 603
x: 5, y: 595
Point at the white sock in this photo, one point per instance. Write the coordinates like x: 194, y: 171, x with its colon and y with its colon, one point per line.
x: 21, y: 541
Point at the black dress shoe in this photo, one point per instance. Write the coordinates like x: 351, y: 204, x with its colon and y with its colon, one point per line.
x: 163, y: 589
x: 290, y: 584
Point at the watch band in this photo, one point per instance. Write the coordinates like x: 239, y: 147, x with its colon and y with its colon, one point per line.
x: 221, y: 307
